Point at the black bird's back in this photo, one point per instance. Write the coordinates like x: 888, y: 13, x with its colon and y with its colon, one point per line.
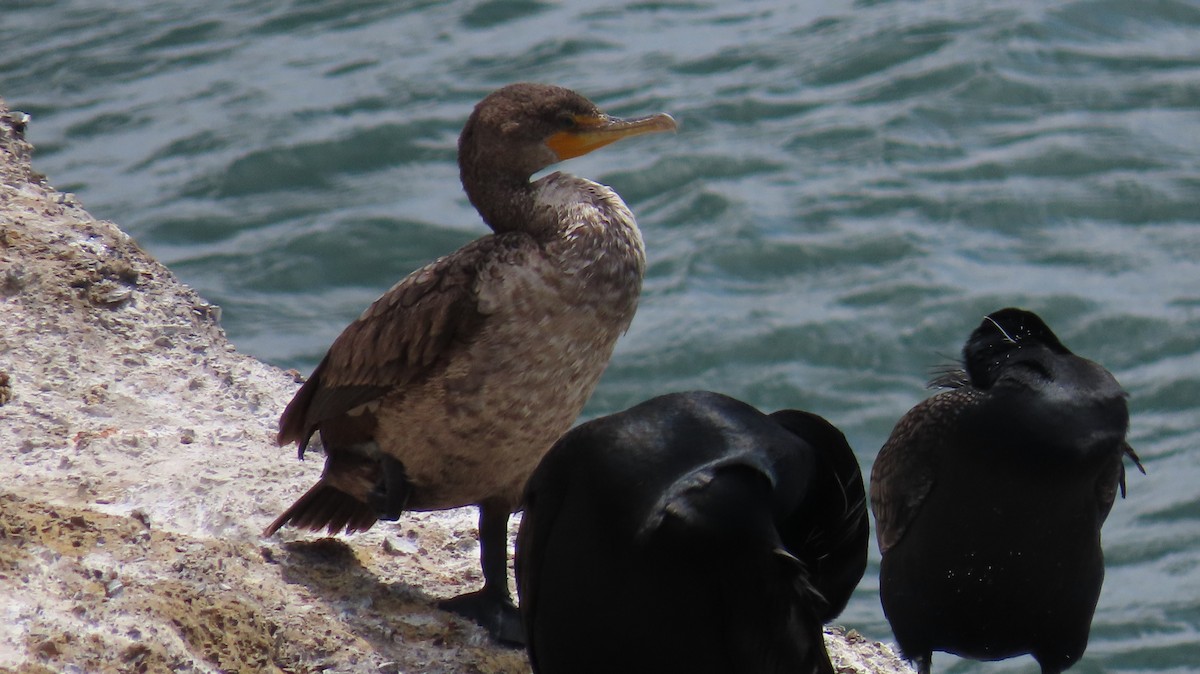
x: 690, y: 533
x: 989, y: 501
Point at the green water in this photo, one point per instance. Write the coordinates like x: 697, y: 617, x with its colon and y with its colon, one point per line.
x: 853, y: 186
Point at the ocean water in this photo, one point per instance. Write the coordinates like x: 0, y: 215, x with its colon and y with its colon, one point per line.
x: 853, y: 186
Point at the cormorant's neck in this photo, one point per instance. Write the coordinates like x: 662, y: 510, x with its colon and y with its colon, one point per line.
x: 507, y: 202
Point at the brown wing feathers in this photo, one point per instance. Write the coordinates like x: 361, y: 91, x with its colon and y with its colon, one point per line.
x: 404, y: 336
x: 904, y: 470
x: 399, y: 339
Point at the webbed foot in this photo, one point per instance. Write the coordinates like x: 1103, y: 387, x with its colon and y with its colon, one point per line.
x: 498, y: 615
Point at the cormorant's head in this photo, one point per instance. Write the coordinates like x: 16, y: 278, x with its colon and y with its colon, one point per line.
x: 1040, y: 391
x: 1010, y: 339
x: 522, y: 128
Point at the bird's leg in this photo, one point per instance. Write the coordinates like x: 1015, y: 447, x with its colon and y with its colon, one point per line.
x: 923, y: 662
x: 492, y: 607
x: 493, y: 549
x: 390, y: 495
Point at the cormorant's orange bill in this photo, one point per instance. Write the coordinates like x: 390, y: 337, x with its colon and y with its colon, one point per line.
x: 592, y: 132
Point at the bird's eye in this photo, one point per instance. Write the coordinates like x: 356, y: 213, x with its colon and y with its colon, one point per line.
x: 565, y: 120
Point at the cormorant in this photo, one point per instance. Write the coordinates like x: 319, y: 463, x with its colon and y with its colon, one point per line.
x: 690, y: 533
x: 450, y: 387
x: 989, y: 499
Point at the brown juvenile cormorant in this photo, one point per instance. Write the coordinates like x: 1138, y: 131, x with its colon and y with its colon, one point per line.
x: 690, y: 533
x: 450, y: 387
x: 989, y: 498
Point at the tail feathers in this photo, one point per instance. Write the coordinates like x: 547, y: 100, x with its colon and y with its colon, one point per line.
x: 778, y: 629
x: 326, y: 507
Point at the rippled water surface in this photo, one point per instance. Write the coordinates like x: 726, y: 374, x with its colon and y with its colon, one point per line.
x: 853, y: 186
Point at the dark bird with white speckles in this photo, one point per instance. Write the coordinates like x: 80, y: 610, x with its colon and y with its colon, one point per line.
x: 989, y: 500
x: 450, y: 387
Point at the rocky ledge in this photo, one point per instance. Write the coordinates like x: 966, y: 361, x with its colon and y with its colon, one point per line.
x: 140, y: 469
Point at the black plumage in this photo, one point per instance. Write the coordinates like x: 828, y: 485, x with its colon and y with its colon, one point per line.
x: 989, y: 499
x: 690, y: 533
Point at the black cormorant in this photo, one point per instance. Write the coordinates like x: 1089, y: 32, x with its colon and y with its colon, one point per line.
x: 690, y: 533
x: 989, y: 498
